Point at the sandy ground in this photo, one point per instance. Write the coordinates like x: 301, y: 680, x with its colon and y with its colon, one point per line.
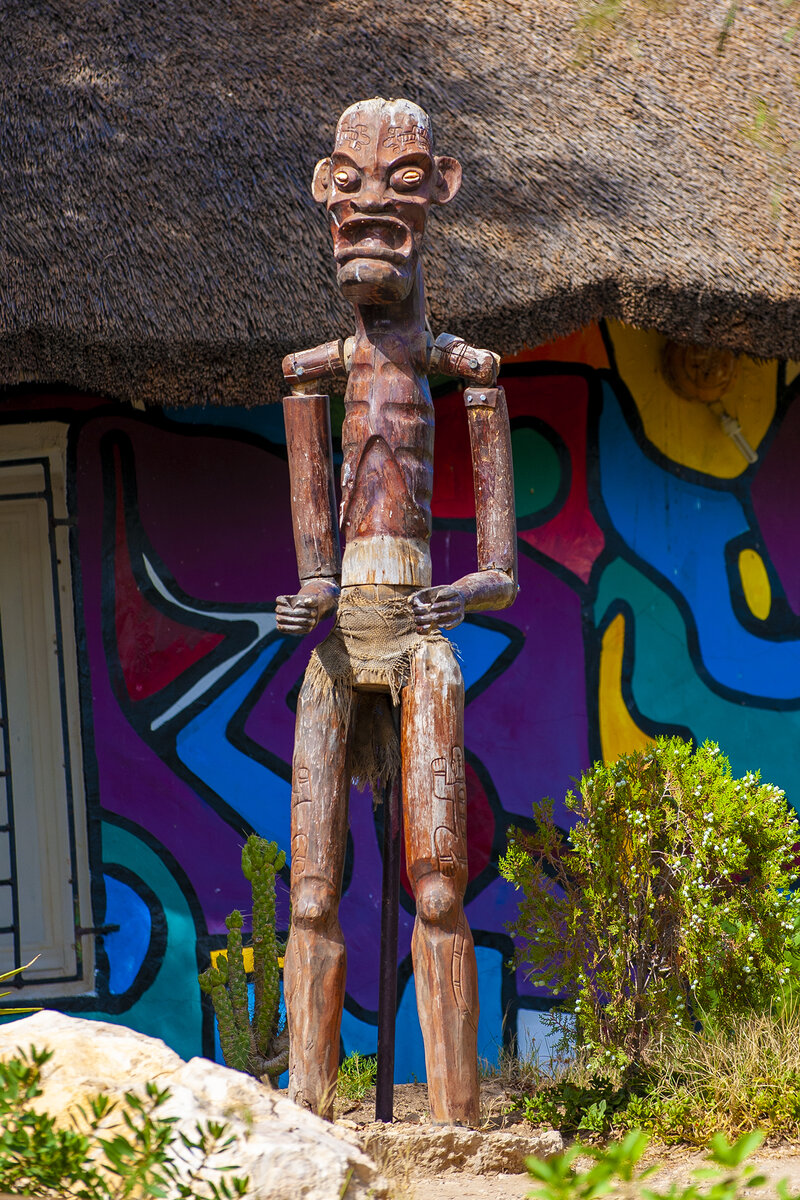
x: 412, y: 1181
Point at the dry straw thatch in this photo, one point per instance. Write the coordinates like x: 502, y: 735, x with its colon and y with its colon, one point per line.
x: 158, y: 240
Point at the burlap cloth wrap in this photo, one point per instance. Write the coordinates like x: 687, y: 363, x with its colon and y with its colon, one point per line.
x: 379, y: 636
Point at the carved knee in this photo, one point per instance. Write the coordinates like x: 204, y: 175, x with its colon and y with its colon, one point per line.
x: 314, y: 904
x: 438, y: 901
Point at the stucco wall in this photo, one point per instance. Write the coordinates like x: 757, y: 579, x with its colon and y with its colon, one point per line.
x: 660, y: 590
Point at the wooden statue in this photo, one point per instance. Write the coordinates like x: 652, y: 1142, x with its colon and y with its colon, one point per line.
x: 386, y: 647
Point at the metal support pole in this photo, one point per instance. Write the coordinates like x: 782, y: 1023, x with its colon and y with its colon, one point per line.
x: 390, y: 907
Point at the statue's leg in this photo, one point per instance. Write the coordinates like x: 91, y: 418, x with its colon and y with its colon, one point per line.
x: 434, y: 805
x: 314, y: 971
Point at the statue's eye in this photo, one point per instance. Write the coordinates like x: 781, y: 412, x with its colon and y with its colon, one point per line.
x: 345, y: 179
x: 407, y: 179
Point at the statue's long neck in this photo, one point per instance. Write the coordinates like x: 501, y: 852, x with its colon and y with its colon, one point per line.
x: 397, y: 333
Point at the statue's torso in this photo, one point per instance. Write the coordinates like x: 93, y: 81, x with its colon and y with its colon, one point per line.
x: 387, y: 470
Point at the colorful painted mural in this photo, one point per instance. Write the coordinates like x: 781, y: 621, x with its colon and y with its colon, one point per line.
x: 660, y: 591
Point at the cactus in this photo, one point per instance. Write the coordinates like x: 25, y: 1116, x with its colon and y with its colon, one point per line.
x: 255, y: 1046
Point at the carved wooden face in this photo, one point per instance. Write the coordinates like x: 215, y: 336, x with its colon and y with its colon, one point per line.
x: 378, y: 185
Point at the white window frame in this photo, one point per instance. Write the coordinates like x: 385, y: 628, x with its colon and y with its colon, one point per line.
x: 52, y: 850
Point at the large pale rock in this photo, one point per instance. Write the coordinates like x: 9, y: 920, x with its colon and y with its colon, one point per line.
x: 287, y: 1153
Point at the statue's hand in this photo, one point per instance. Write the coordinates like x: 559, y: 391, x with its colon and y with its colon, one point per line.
x: 300, y: 614
x: 437, y: 607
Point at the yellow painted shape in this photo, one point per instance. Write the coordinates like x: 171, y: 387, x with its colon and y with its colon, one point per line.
x: 792, y: 371
x: 619, y: 733
x: 247, y: 955
x: 687, y: 431
x: 584, y: 346
x: 755, y: 583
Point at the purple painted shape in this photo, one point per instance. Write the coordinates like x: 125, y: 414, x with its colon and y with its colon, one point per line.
x: 529, y: 727
x: 214, y: 507
x: 270, y: 722
x: 776, y: 501
x: 132, y: 780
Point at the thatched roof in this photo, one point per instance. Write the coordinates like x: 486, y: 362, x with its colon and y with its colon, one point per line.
x: 158, y: 239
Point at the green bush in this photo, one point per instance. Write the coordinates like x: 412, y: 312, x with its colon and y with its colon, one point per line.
x: 148, y: 1158
x: 669, y: 903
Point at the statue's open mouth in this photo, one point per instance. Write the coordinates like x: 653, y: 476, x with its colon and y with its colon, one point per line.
x: 368, y: 235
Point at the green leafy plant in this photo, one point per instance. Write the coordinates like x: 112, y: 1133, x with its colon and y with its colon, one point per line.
x: 616, y: 1169
x: 668, y: 903
x: 356, y: 1076
x: 146, y: 1158
x: 257, y: 1046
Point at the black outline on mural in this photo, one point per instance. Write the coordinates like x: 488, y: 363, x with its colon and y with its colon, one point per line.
x: 157, y: 942
x: 617, y: 548
x: 613, y: 548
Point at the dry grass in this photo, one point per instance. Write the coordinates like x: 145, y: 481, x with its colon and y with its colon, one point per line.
x: 734, y: 1080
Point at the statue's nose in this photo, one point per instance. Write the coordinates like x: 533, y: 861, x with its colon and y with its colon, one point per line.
x: 371, y: 199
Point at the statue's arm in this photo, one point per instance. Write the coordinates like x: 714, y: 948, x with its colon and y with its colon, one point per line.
x: 313, y: 499
x: 494, y: 584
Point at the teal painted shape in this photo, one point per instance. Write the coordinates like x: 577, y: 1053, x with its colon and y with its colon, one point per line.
x: 537, y: 471
x: 265, y: 420
x: 667, y: 690
x: 126, y: 949
x: 170, y: 1008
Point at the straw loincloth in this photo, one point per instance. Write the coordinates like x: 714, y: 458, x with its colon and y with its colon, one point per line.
x: 379, y: 636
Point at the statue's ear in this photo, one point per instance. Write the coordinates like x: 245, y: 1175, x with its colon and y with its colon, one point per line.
x: 322, y: 180
x: 448, y: 178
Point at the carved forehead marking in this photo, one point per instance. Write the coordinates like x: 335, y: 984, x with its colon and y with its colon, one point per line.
x: 405, y: 126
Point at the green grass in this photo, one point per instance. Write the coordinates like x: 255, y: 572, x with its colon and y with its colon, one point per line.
x: 356, y: 1076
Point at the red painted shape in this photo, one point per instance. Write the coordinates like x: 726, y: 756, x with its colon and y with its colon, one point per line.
x: 480, y: 830
x: 572, y: 537
x: 153, y: 650
x: 584, y: 346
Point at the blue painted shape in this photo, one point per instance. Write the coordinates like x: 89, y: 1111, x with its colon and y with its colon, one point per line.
x: 127, y: 948
x: 359, y: 1036
x: 249, y: 787
x: 668, y: 691
x: 410, y: 1049
x: 283, y: 1080
x: 478, y: 649
x: 265, y: 420
x: 409, y: 1059
x: 490, y: 991
x: 681, y: 530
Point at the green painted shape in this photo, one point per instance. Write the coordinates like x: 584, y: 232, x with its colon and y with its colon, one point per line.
x: 537, y: 471
x: 170, y: 1008
x: 667, y: 690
